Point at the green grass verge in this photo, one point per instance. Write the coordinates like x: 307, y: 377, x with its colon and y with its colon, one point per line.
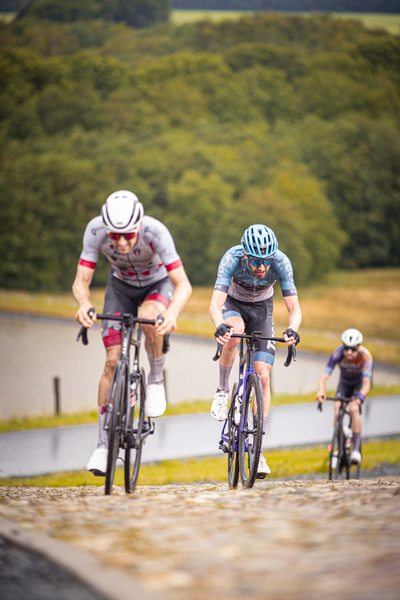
x: 284, y: 463
x: 183, y: 408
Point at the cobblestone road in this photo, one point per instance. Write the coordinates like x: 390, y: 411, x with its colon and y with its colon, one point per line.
x: 282, y: 540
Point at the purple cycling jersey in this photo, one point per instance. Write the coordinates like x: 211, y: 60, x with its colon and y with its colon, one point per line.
x: 351, y: 370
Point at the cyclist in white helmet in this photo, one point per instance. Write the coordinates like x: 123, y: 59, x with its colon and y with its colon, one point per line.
x: 243, y: 302
x: 146, y: 275
x: 355, y: 363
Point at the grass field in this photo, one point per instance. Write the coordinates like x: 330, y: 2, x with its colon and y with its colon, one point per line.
x: 365, y: 299
x: 284, y: 463
x: 390, y: 22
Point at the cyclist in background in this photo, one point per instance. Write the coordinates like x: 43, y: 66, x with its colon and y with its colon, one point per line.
x: 355, y: 363
x: 242, y: 301
x: 145, y: 272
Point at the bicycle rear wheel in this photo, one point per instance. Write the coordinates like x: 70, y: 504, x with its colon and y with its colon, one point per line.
x: 250, y: 437
x: 133, y: 455
x: 114, y: 435
x: 233, y: 444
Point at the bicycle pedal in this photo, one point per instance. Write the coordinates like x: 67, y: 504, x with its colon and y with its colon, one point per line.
x: 222, y: 446
x: 261, y: 475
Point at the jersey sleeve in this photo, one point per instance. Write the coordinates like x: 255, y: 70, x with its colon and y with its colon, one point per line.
x: 334, y: 359
x: 285, y: 276
x: 368, y: 363
x: 162, y: 243
x: 91, y: 244
x: 225, y: 271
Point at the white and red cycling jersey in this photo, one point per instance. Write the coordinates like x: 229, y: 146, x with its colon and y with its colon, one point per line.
x: 149, y: 261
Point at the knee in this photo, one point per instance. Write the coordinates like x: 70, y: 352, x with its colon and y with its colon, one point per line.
x: 109, y: 367
x: 265, y: 378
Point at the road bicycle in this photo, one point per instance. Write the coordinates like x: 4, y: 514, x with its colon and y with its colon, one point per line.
x: 339, y: 449
x: 242, y: 432
x: 126, y: 421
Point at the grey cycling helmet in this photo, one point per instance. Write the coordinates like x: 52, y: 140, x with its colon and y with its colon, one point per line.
x: 259, y: 241
x: 352, y: 337
x: 122, y: 212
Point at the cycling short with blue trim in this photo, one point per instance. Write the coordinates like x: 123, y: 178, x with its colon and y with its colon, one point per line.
x: 123, y: 298
x: 257, y: 316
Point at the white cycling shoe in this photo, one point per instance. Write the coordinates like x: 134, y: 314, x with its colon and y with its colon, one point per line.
x: 98, y: 461
x: 156, y: 401
x: 263, y: 469
x: 219, y: 407
x: 355, y: 457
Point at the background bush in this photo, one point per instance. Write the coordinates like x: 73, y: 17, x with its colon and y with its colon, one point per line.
x: 272, y: 118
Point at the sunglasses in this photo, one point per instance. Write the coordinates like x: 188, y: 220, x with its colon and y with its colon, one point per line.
x: 347, y: 348
x: 116, y: 236
x: 257, y: 262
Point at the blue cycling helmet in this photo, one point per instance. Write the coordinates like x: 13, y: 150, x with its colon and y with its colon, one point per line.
x: 259, y: 241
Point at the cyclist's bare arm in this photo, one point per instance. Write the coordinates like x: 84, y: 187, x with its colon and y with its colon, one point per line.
x: 321, y: 395
x: 182, y: 293
x: 365, y: 388
x: 294, y: 310
x: 81, y: 291
x: 217, y: 301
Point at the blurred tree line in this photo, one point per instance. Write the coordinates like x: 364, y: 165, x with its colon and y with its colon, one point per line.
x: 366, y: 6
x: 279, y: 119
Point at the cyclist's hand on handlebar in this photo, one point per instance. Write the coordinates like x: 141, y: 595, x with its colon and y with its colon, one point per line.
x: 291, y: 337
x: 86, y: 315
x: 359, y: 397
x: 165, y: 323
x: 223, y: 333
x: 321, y: 397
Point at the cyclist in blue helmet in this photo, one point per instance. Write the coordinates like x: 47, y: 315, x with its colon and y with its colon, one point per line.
x: 242, y: 301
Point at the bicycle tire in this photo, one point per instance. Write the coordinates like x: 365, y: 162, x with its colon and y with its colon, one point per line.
x: 334, y: 447
x: 250, y: 436
x: 114, y: 434
x: 133, y: 456
x: 233, y: 444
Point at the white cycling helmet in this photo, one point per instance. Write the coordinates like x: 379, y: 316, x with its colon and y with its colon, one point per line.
x: 352, y: 337
x: 122, y: 212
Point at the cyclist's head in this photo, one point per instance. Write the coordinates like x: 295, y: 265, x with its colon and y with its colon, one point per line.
x: 122, y: 213
x: 259, y: 241
x: 352, y: 338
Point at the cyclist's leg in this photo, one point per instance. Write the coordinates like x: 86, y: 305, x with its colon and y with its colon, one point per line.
x: 356, y: 424
x: 264, y: 360
x: 156, y: 301
x: 232, y: 316
x: 115, y: 302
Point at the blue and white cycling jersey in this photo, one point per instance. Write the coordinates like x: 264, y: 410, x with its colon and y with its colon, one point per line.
x: 237, y: 280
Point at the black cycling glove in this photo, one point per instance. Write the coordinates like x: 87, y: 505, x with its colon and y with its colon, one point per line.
x: 222, y: 330
x: 292, y: 333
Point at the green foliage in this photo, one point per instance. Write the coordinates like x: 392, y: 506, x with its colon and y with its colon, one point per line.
x: 136, y: 13
x: 280, y: 119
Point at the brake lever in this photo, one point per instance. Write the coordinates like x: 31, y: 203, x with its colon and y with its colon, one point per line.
x: 218, y: 352
x: 83, y: 332
x: 292, y: 353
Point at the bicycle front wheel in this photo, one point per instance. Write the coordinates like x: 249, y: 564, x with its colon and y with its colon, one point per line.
x: 250, y: 437
x: 133, y: 455
x: 233, y: 443
x: 117, y: 391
